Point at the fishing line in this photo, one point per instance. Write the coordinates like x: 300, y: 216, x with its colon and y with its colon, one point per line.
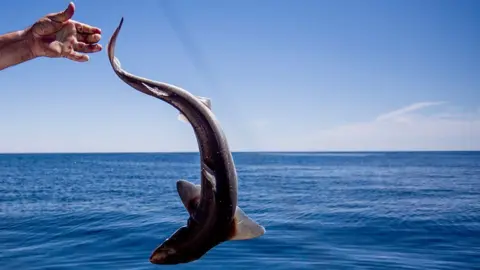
x: 199, y: 62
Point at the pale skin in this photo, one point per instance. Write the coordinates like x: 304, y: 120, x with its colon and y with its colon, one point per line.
x: 55, y: 35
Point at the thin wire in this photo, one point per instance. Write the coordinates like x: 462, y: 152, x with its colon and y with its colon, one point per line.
x: 194, y: 54
x: 196, y: 57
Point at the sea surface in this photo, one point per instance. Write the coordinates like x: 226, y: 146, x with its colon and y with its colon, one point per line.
x: 417, y: 210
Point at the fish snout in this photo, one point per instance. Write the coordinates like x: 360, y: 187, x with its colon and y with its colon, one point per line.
x: 161, y: 255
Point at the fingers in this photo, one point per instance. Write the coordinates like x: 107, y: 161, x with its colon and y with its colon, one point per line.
x: 87, y: 48
x: 76, y: 50
x: 89, y: 38
x: 87, y: 33
x: 88, y: 43
x: 63, y: 16
x: 76, y: 56
x: 70, y: 49
x: 86, y: 29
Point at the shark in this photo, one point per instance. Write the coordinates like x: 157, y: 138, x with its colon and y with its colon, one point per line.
x: 214, y: 216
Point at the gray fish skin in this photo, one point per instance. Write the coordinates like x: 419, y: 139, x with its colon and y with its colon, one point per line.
x: 214, y: 216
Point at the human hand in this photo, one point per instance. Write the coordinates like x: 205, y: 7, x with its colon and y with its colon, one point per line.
x: 56, y: 35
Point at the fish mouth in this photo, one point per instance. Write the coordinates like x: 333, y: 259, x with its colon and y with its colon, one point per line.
x: 157, y: 258
x: 154, y: 260
x: 162, y: 256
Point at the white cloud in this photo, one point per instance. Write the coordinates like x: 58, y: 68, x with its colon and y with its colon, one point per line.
x: 414, y: 107
x: 408, y: 128
x: 403, y: 130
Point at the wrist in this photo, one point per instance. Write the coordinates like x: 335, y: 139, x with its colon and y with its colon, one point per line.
x: 15, y: 48
x: 26, y: 43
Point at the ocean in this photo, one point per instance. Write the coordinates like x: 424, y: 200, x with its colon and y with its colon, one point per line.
x: 375, y: 210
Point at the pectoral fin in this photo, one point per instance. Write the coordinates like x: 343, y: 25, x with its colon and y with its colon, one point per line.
x: 244, y: 227
x: 182, y: 118
x: 206, y: 101
x: 189, y: 194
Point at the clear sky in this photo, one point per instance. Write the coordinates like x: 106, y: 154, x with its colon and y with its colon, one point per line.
x: 282, y: 75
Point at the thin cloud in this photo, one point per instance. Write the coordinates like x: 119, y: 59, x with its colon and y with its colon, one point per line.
x: 417, y: 132
x: 408, y: 109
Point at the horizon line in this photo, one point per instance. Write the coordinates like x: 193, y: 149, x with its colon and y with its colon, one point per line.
x: 245, y: 151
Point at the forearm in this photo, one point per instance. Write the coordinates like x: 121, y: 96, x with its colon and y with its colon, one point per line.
x: 14, y: 49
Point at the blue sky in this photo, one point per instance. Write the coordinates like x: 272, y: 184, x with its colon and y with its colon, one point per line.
x: 282, y: 75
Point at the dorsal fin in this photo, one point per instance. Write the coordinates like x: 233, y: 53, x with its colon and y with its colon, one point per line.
x: 189, y: 194
x: 206, y: 101
x: 245, y: 228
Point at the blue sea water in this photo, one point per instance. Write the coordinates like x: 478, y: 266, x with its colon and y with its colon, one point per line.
x: 320, y: 210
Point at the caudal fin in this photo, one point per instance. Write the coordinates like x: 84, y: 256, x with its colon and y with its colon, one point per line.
x: 244, y: 227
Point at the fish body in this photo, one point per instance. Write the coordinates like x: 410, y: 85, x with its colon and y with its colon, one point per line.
x: 214, y: 216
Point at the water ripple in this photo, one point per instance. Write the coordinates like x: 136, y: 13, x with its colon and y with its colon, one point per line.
x: 321, y: 210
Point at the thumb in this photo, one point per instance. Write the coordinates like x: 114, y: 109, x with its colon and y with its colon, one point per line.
x: 65, y: 15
